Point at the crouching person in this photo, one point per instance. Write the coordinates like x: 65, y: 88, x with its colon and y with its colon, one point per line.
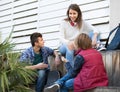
x: 88, y: 71
x: 38, y: 55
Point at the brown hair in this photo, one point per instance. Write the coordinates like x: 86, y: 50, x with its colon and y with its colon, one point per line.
x: 83, y: 41
x: 34, y: 37
x: 79, y: 18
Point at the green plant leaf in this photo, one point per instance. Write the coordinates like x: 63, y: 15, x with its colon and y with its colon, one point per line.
x: 14, y: 77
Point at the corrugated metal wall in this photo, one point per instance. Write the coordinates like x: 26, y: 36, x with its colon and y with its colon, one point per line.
x: 44, y: 16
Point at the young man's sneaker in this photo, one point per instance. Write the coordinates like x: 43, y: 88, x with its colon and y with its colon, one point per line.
x: 52, y: 88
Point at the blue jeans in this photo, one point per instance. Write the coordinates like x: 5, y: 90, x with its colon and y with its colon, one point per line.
x: 69, y: 54
x: 41, y: 80
x: 66, y: 83
x: 91, y: 35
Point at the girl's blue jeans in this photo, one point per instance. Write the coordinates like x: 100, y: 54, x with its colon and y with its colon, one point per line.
x: 69, y: 54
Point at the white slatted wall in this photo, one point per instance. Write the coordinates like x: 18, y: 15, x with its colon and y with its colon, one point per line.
x: 44, y: 16
x: 5, y: 18
x: 25, y: 22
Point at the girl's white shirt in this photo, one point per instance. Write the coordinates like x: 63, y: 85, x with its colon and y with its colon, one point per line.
x: 69, y: 33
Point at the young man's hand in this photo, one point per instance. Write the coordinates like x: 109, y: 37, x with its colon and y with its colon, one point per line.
x: 38, y: 66
x: 41, y: 66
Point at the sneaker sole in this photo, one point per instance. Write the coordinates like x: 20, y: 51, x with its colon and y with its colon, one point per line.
x: 53, y: 89
x: 101, y: 49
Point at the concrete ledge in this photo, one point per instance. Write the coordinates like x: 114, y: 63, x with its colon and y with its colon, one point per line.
x: 112, y: 64
x: 105, y: 89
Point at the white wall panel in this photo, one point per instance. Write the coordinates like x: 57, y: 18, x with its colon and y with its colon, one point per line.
x: 5, y: 24
x: 55, y: 7
x: 3, y: 2
x: 82, y: 2
x: 98, y: 20
x: 25, y: 26
x: 50, y: 2
x: 49, y: 29
x: 104, y: 30
x: 25, y: 7
x: 5, y: 12
x: 96, y: 14
x: 5, y: 6
x: 54, y: 14
x: 52, y: 43
x: 25, y: 20
x: 22, y: 47
x: 23, y: 2
x: 50, y: 36
x: 5, y: 32
x: 25, y: 13
x: 5, y: 18
x: 94, y: 6
x: 50, y: 22
x: 23, y: 33
x: 23, y: 39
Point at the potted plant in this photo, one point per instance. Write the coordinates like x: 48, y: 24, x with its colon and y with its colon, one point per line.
x: 14, y: 77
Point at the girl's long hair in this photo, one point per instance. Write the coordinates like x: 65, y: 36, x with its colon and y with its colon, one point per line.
x: 79, y: 18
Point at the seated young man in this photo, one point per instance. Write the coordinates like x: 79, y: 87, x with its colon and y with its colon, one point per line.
x: 38, y: 55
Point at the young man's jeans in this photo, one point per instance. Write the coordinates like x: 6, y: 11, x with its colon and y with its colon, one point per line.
x: 69, y: 54
x: 66, y: 83
x: 41, y: 81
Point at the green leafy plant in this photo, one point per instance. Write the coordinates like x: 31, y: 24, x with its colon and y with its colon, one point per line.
x: 14, y: 77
